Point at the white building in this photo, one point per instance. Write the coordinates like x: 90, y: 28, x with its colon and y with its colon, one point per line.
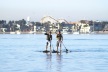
x: 85, y: 28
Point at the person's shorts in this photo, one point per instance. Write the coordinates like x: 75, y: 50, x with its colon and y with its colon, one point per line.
x: 48, y: 42
x: 58, y: 43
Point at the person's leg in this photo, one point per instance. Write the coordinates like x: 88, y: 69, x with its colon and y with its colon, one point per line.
x: 57, y: 45
x: 50, y: 45
x: 60, y: 46
x: 46, y: 46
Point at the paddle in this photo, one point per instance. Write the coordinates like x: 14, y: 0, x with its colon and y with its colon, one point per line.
x: 65, y: 47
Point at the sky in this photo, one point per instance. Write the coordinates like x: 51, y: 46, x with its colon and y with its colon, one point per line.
x: 71, y: 10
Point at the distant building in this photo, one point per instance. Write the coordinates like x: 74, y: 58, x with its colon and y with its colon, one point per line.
x: 48, y: 19
x: 3, y: 29
x: 105, y: 28
x: 52, y: 24
x: 28, y: 20
x: 85, y: 28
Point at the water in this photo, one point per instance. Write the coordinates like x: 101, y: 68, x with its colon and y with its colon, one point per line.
x: 22, y: 53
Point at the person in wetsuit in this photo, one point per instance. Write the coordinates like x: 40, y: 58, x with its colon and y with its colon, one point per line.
x: 49, y: 39
x: 59, y: 40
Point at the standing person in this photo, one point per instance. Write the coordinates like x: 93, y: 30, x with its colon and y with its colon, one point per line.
x: 48, y: 38
x: 59, y: 40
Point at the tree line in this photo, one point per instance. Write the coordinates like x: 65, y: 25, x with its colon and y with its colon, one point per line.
x: 21, y: 25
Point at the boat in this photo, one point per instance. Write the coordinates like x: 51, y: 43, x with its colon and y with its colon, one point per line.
x: 76, y: 33
x: 17, y: 32
x: 31, y: 32
x: 12, y: 32
x: 65, y: 32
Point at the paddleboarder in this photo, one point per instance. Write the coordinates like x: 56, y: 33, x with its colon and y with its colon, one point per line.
x: 59, y: 37
x: 49, y: 39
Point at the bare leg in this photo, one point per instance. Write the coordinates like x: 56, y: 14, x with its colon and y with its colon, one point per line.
x: 57, y: 48
x: 50, y: 47
x: 46, y: 46
x: 60, y: 47
x: 57, y: 45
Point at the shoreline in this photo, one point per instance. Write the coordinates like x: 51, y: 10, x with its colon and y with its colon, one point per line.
x: 20, y: 33
x: 95, y: 32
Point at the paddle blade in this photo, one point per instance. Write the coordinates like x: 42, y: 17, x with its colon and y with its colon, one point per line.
x: 66, y: 50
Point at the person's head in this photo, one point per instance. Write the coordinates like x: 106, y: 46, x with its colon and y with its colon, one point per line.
x: 59, y: 32
x: 49, y: 32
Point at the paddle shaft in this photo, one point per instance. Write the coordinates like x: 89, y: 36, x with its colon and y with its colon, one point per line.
x: 64, y: 46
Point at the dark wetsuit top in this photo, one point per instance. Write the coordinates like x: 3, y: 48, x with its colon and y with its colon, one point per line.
x: 59, y: 37
x: 49, y: 37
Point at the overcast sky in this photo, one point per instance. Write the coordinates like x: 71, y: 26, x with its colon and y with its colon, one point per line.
x: 71, y: 10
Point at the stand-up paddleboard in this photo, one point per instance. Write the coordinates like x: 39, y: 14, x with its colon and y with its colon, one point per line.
x: 55, y: 51
x: 46, y: 51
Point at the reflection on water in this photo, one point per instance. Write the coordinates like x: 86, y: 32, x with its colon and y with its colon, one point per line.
x: 54, y: 62
x: 48, y: 61
x: 59, y: 62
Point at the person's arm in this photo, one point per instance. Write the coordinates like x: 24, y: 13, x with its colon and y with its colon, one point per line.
x: 45, y: 34
x: 57, y: 36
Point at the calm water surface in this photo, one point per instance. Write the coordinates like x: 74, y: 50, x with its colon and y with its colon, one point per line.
x: 22, y: 53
